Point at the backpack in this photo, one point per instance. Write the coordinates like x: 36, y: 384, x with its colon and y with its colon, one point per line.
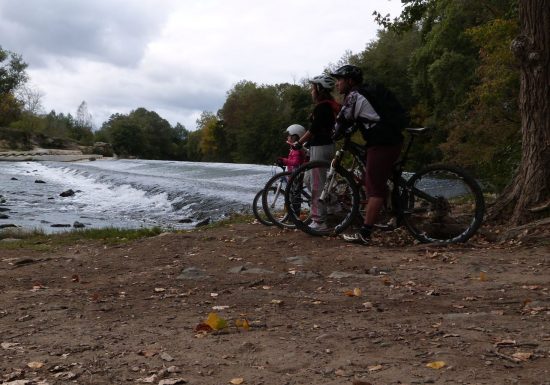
x: 393, y: 117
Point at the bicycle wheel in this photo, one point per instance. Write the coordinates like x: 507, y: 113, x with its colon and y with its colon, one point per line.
x: 273, y: 200
x: 258, y: 210
x: 336, y: 203
x: 442, y: 204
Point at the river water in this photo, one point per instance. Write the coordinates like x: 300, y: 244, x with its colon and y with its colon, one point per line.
x: 125, y: 193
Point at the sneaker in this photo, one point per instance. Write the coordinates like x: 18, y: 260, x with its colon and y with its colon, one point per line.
x: 356, y: 238
x: 318, y: 226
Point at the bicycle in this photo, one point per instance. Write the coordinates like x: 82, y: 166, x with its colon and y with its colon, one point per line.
x: 258, y: 210
x: 273, y: 201
x: 440, y: 203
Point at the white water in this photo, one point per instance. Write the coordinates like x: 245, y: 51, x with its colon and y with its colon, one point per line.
x: 126, y: 193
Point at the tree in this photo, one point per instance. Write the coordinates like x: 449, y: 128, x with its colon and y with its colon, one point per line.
x: 12, y: 71
x: 12, y: 75
x: 527, y: 197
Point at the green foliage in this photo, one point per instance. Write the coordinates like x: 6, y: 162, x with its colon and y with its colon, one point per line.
x: 255, y: 117
x: 489, y: 138
x: 144, y: 134
x: 12, y: 71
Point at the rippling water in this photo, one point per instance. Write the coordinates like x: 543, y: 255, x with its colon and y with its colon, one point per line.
x: 126, y: 193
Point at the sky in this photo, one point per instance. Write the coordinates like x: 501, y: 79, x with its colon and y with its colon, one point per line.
x: 177, y: 57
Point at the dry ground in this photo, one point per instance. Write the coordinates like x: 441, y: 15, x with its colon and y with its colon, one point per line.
x: 320, y: 311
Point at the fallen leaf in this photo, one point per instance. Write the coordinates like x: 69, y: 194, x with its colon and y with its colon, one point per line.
x: 375, y: 368
x: 482, y: 276
x: 237, y: 381
x: 353, y: 293
x: 242, y: 323
x: 215, y: 321
x: 35, y: 364
x: 436, y: 364
x: 522, y: 356
x: 277, y: 301
x: 214, y: 295
x: 159, y: 289
x: 202, y: 327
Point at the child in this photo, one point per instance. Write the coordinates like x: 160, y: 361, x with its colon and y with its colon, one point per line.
x: 295, y: 157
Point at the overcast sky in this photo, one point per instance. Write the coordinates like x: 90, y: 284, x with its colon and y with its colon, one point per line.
x: 177, y: 57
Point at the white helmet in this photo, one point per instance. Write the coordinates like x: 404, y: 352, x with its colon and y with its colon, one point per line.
x: 296, y: 129
x: 324, y: 81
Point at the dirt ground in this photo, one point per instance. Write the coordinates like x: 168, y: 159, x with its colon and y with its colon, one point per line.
x: 319, y: 311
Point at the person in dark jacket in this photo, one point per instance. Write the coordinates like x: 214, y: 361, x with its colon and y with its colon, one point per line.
x: 383, y: 146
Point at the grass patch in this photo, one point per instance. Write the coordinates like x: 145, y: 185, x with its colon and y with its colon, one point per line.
x: 37, y: 240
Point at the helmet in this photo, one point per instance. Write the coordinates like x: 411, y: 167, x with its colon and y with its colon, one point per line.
x: 324, y: 81
x: 349, y: 71
x: 296, y: 129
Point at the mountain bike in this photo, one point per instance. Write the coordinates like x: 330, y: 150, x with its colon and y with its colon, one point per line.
x: 440, y: 203
x: 273, y: 201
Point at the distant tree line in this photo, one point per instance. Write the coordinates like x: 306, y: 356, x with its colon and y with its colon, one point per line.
x: 448, y: 61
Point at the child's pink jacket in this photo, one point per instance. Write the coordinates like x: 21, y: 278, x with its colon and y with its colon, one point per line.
x: 295, y: 158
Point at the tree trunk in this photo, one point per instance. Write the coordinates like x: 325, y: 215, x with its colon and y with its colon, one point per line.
x: 527, y: 197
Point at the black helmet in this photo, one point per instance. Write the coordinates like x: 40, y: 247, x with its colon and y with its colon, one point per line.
x: 349, y: 71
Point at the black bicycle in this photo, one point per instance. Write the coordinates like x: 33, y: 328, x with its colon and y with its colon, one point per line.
x: 273, y: 201
x: 440, y: 203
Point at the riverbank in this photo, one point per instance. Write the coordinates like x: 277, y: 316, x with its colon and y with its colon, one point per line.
x: 319, y: 310
x: 42, y: 154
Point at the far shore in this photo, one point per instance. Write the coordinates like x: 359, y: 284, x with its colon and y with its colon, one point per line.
x: 42, y: 154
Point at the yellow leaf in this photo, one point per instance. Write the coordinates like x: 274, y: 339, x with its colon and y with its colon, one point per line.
x: 482, y: 276
x: 436, y: 364
x: 237, y: 381
x: 242, y: 323
x: 215, y: 321
x: 353, y: 293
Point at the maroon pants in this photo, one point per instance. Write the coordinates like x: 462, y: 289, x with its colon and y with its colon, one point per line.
x: 380, y: 160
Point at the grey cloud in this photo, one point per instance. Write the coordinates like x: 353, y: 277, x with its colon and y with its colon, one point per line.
x: 114, y: 32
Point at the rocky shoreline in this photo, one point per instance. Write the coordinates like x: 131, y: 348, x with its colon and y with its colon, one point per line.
x: 42, y: 154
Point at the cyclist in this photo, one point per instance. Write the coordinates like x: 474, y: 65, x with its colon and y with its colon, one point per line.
x: 296, y: 156
x: 382, y: 150
x: 319, y: 138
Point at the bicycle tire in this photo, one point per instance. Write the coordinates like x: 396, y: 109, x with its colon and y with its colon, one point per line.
x: 442, y: 204
x: 260, y: 215
x: 342, y: 201
x: 273, y: 200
